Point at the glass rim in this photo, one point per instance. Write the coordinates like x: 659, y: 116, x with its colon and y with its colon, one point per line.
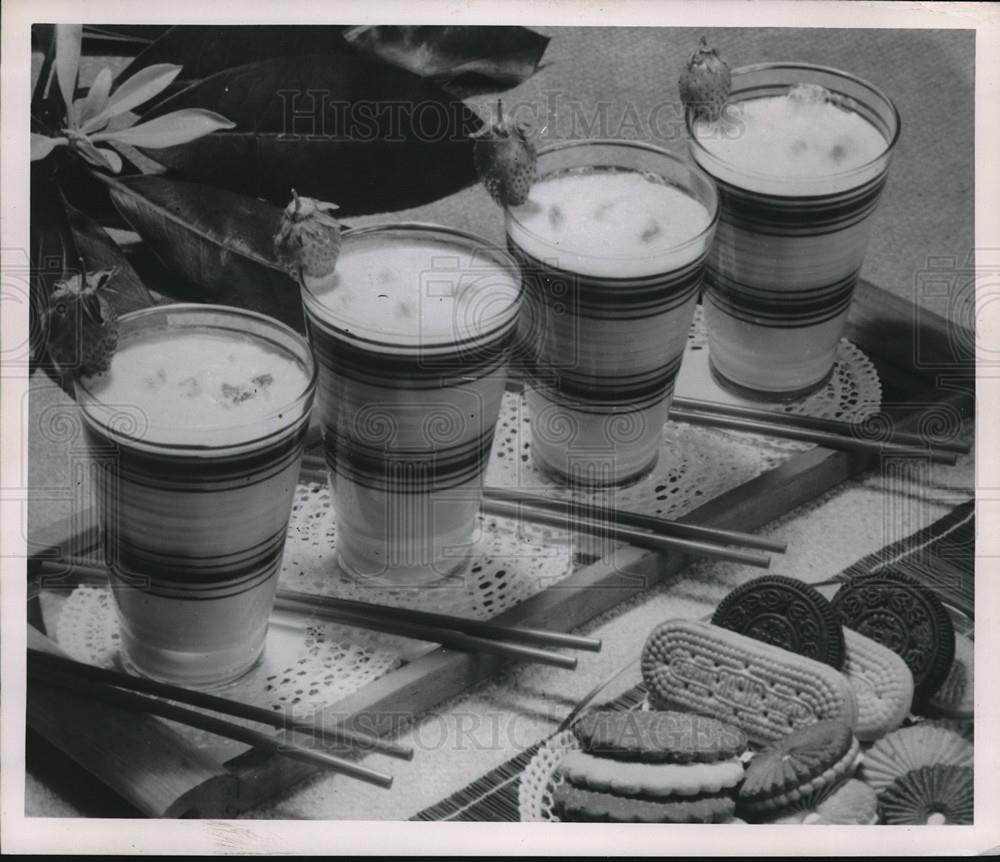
x: 714, y: 210
x: 812, y: 67
x: 474, y: 241
x: 306, y: 358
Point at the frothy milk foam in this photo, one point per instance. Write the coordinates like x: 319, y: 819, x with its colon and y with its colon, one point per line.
x: 415, y: 292
x: 802, y: 134
x: 201, y: 386
x: 609, y: 223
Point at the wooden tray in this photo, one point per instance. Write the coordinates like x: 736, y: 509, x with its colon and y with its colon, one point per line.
x: 925, y: 364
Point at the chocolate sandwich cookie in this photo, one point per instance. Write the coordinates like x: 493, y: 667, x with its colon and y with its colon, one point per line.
x: 798, y: 765
x: 576, y: 804
x: 787, y: 613
x: 903, y: 615
x: 658, y: 736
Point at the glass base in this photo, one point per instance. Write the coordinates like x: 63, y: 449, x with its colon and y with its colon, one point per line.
x: 407, y: 576
x: 574, y: 481
x: 774, y: 396
x: 183, y: 670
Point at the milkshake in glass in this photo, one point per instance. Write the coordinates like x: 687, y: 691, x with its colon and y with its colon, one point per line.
x: 198, y: 427
x: 612, y: 243
x: 411, y: 333
x: 800, y: 157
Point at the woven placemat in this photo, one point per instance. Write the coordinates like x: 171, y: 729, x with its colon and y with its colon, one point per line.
x: 940, y: 556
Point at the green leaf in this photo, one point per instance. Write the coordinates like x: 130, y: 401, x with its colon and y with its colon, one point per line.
x: 99, y: 157
x: 346, y: 129
x: 68, y: 63
x: 494, y: 57
x: 170, y: 130
x: 141, y: 87
x: 97, y: 97
x: 212, y: 238
x: 41, y: 145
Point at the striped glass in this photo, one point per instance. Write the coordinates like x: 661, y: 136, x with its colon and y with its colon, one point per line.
x: 788, y: 251
x: 194, y: 520
x: 602, y: 352
x: 408, y: 423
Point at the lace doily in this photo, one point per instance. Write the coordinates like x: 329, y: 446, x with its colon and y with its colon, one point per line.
x: 539, y: 779
x: 513, y: 561
x: 696, y: 463
x: 307, y: 665
x: 852, y: 394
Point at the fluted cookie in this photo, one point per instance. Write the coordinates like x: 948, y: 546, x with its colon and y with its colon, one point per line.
x: 798, y: 765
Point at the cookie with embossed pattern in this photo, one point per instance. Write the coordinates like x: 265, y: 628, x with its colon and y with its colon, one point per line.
x: 787, y: 613
x: 903, y: 615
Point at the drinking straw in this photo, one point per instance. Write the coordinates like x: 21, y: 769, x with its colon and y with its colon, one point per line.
x: 834, y: 426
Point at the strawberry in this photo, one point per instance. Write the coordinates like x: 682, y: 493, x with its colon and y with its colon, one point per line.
x: 82, y: 325
x: 505, y: 160
x: 307, y: 242
x: 705, y: 83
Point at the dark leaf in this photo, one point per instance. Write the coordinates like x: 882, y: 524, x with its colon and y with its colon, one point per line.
x: 65, y: 241
x: 494, y: 57
x: 204, y: 49
x: 346, y: 129
x: 81, y: 188
x: 125, y: 290
x: 212, y: 238
x: 53, y: 255
x: 119, y: 40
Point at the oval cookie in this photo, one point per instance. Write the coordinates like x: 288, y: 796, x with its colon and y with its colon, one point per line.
x: 762, y: 689
x: 882, y: 684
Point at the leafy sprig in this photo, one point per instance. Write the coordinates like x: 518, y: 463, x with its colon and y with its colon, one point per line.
x: 87, y: 119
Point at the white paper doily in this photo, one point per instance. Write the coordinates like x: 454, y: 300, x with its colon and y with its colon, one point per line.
x: 513, y: 561
x: 539, y: 779
x: 853, y: 392
x: 307, y: 664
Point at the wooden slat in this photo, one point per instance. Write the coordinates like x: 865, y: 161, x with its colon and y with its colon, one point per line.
x: 137, y: 756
